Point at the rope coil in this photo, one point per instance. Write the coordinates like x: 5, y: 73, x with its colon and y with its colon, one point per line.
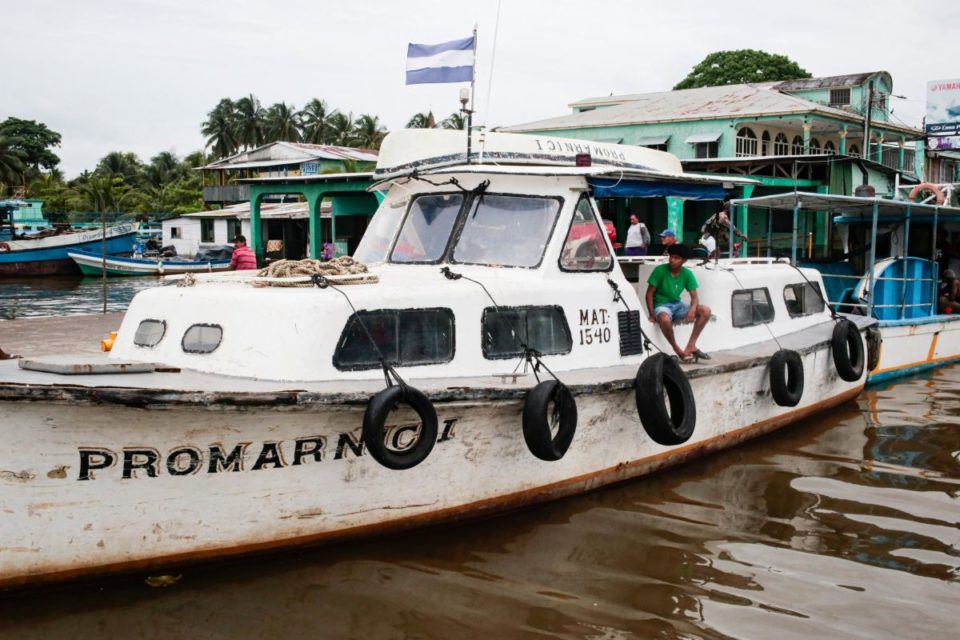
x: 312, y: 270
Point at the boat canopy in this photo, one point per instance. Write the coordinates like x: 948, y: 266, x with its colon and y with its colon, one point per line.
x: 615, y: 188
x: 852, y: 209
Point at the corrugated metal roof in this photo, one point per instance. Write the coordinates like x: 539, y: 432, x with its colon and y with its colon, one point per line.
x: 287, y: 153
x: 736, y: 101
x: 828, y: 82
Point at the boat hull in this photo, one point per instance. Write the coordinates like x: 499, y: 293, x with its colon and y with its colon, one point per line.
x: 91, y: 489
x: 49, y: 256
x: 91, y: 264
x: 917, y: 344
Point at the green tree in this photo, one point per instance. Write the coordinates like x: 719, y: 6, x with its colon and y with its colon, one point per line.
x: 341, y: 129
x: 455, y: 120
x: 368, y: 132
x: 164, y: 168
x: 282, y: 122
x: 123, y: 164
x: 35, y: 139
x: 249, y: 122
x: 741, y: 66
x: 220, y: 129
x: 422, y: 121
x: 315, y: 122
x: 12, y: 162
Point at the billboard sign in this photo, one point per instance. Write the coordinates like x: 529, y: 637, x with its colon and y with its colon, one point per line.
x: 943, y: 143
x: 943, y: 108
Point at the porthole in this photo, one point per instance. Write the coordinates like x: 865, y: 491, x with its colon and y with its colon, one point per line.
x: 150, y: 333
x: 202, y: 338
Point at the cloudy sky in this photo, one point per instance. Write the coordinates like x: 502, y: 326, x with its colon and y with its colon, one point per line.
x: 141, y: 75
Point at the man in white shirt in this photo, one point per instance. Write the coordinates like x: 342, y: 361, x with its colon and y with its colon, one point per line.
x: 638, y: 238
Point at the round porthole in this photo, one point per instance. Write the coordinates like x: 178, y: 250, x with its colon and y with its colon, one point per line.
x: 150, y: 333
x: 202, y: 338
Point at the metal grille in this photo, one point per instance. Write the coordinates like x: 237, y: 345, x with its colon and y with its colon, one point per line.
x: 631, y: 339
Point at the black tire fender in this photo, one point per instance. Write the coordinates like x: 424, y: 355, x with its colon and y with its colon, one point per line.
x: 786, y: 377
x: 375, y: 418
x: 874, y: 342
x: 847, y: 348
x: 538, y: 416
x: 660, y: 381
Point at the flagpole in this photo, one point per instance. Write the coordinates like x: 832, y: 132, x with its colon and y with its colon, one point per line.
x: 473, y: 79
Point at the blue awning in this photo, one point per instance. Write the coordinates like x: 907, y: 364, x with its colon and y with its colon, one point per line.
x: 612, y: 188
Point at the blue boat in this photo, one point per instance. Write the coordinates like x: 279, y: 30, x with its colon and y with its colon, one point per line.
x: 46, y: 254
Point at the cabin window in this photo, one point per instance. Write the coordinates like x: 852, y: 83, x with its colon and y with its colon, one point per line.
x: 509, y: 231
x: 751, y: 307
x: 376, y: 241
x: 206, y: 231
x: 803, y: 299
x: 149, y: 333
x: 839, y: 97
x: 202, y: 338
x: 233, y: 229
x: 175, y: 233
x: 585, y: 248
x: 507, y: 329
x: 426, y: 230
x: 405, y: 337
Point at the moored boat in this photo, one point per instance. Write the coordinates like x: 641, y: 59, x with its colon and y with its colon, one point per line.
x: 492, y: 354
x: 91, y: 263
x: 46, y: 254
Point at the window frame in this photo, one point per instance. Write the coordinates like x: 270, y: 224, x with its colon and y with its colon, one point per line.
x: 747, y: 143
x: 565, y: 324
x: 208, y: 229
x: 836, y: 97
x: 781, y: 144
x: 603, y: 235
x: 803, y: 286
x: 163, y: 333
x: 706, y: 150
x: 754, y: 322
x: 461, y: 224
x: 453, y: 229
x: 200, y: 324
x: 339, y: 365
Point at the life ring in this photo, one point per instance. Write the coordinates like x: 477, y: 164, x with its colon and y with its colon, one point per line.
x: 927, y: 186
x: 4, y: 246
x: 786, y: 378
x: 847, y: 350
x: 374, y: 420
x: 659, y: 380
x: 874, y: 342
x: 538, y: 414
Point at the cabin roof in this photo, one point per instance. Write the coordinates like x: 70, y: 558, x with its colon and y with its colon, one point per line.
x: 846, y: 205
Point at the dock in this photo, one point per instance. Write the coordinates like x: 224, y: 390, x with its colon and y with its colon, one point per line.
x: 57, y: 334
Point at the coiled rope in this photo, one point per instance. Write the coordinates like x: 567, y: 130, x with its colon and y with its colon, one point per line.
x: 306, y: 269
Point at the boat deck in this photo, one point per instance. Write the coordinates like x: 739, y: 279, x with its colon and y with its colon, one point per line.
x: 173, y: 387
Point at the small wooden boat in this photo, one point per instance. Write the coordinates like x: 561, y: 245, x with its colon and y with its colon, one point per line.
x: 92, y: 263
x: 491, y: 354
x: 47, y: 255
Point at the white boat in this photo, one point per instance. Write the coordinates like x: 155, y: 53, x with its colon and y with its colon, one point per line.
x: 92, y: 264
x: 489, y: 359
x: 915, y: 334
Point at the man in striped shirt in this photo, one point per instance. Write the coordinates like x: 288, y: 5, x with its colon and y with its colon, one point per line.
x: 243, y: 256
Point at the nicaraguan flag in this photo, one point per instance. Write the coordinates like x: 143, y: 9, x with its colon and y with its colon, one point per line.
x: 445, y: 62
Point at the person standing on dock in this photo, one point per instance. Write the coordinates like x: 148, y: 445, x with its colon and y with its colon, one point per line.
x: 243, y: 256
x: 638, y: 238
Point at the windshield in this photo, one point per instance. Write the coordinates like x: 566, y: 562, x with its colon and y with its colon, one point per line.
x: 508, y: 231
x: 375, y: 244
x: 427, y: 228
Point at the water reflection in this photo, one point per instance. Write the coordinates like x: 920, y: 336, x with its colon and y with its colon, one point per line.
x: 65, y: 296
x: 847, y: 526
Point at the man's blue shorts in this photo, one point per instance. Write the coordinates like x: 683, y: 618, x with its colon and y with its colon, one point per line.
x: 677, y: 310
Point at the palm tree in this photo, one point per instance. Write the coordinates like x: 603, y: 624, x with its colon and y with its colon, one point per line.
x: 220, y: 129
x: 164, y: 168
x: 125, y: 165
x: 422, y: 121
x: 454, y: 121
x: 12, y: 161
x: 282, y: 122
x: 315, y: 122
x: 249, y: 122
x: 341, y: 128
x: 368, y: 132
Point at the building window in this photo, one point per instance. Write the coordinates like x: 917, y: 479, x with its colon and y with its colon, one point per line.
x: 803, y: 299
x: 839, y: 97
x: 853, y: 150
x: 506, y: 330
x: 403, y: 337
x: 175, y: 233
x: 765, y: 143
x: 829, y: 148
x: 746, y: 142
x: 751, y: 307
x: 815, y: 146
x: 797, y: 147
x: 707, y: 150
x: 206, y: 231
x: 233, y: 229
x: 780, y: 145
x: 585, y: 248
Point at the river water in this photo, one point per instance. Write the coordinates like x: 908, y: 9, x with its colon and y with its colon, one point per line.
x: 67, y: 296
x: 842, y: 526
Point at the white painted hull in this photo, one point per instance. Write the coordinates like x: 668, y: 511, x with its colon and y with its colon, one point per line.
x: 908, y: 348
x: 57, y: 526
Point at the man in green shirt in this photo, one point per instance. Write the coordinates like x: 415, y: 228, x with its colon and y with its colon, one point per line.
x: 666, y: 283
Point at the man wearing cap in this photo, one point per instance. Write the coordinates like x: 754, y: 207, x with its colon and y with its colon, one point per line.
x: 667, y: 238
x: 666, y: 283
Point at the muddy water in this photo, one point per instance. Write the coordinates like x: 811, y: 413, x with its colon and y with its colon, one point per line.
x: 847, y: 526
x: 66, y: 296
